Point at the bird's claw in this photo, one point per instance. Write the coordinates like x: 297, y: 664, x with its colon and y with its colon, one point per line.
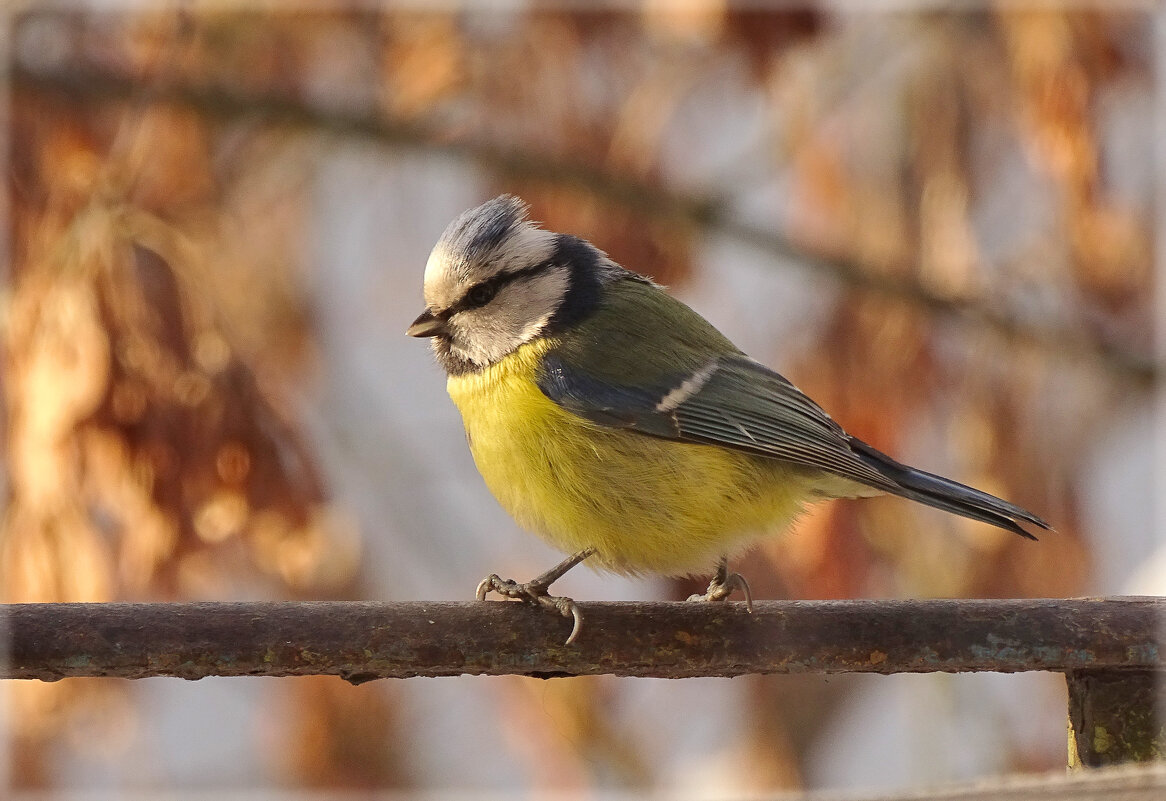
x: 567, y: 608
x: 534, y: 593
x: 721, y: 587
x: 507, y: 588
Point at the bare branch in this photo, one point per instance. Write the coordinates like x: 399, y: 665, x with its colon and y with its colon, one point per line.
x: 90, y: 86
x: 360, y: 641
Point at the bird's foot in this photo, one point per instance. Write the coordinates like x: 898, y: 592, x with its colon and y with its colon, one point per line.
x: 723, y: 585
x: 536, y: 592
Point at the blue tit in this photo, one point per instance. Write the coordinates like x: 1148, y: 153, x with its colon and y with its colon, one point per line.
x: 620, y: 425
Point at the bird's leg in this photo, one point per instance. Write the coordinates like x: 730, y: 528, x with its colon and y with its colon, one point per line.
x: 535, y: 590
x: 723, y: 584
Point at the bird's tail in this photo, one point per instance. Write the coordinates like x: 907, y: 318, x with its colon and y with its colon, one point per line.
x: 945, y: 494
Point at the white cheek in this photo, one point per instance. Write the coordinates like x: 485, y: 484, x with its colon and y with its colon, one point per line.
x: 482, y: 336
x: 468, y: 340
x: 516, y: 316
x: 542, y: 296
x: 533, y: 329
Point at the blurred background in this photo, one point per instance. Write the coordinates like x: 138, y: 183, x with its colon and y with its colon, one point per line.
x: 939, y: 223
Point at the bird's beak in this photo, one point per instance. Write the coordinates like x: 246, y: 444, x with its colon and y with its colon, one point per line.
x: 427, y: 325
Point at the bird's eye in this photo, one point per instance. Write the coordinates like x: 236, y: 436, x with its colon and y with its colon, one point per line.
x: 481, y: 294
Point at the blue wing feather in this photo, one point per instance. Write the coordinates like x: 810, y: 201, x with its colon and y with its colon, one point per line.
x: 742, y: 405
x: 746, y: 406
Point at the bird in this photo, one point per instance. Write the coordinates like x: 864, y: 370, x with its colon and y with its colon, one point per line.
x: 614, y: 421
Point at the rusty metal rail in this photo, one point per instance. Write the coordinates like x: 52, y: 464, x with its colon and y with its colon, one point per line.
x: 364, y: 640
x: 1110, y: 649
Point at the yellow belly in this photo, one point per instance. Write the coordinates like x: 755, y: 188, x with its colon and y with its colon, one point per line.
x: 645, y: 504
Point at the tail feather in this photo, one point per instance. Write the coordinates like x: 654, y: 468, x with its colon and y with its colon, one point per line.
x: 948, y: 495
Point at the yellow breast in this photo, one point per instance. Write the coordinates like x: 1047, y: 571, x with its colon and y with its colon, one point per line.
x: 645, y: 504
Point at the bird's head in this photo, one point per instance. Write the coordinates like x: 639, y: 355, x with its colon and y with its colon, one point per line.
x: 496, y: 281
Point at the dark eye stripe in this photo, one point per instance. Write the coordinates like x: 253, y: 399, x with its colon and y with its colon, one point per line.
x: 483, y: 292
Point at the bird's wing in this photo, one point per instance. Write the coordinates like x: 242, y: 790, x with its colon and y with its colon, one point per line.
x: 734, y: 402
x: 730, y: 401
x: 693, y: 385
